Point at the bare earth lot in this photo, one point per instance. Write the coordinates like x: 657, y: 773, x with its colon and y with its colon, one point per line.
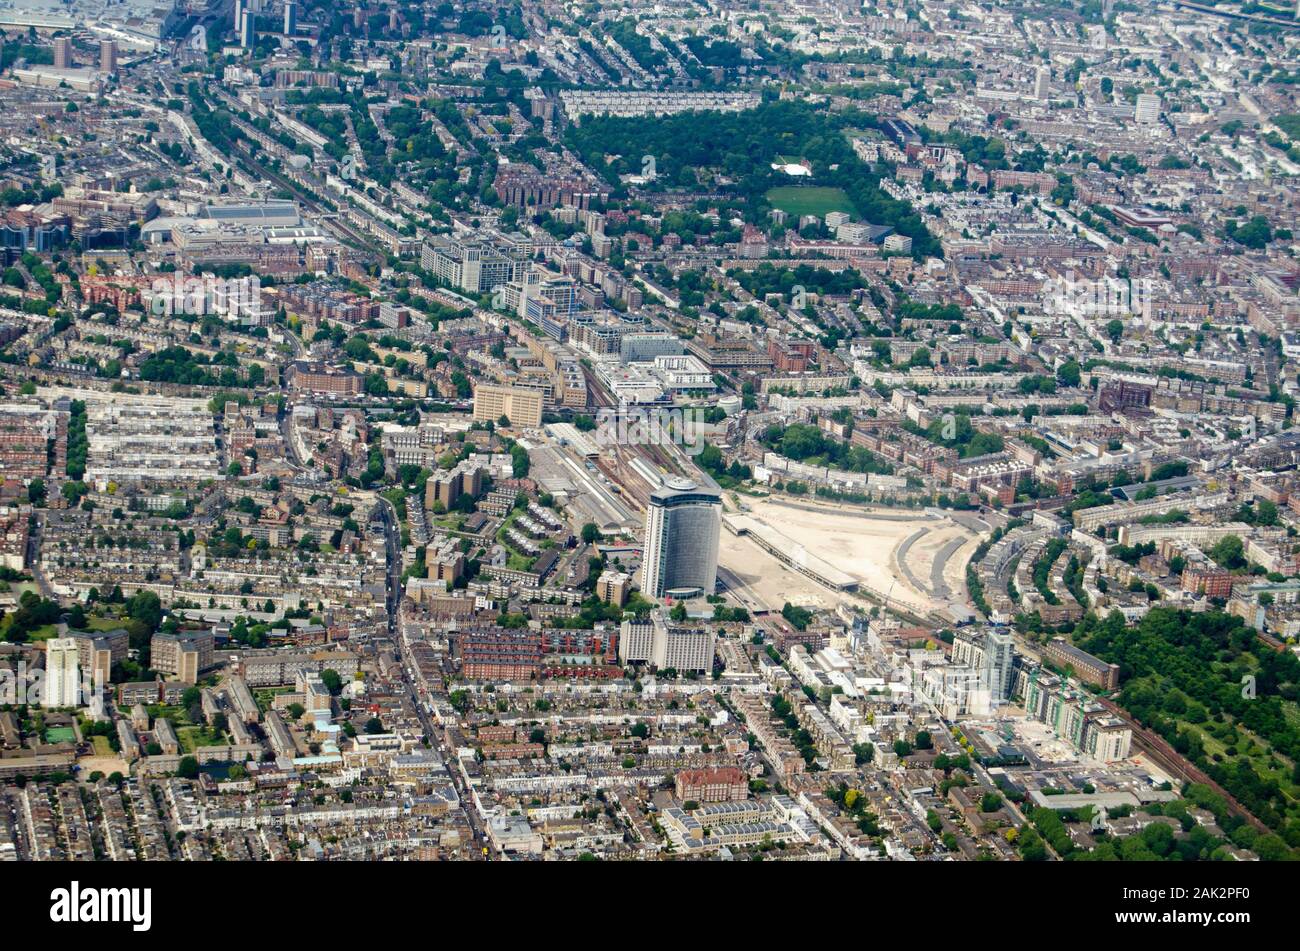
x: 917, y: 560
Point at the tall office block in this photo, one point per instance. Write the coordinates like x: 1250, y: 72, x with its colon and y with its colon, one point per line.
x: 247, y: 30
x: 1042, y: 80
x: 290, y: 18
x: 107, y: 57
x: 683, y: 521
x: 63, y: 53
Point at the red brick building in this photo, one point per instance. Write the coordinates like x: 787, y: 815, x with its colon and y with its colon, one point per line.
x: 1212, y: 582
x: 720, y: 784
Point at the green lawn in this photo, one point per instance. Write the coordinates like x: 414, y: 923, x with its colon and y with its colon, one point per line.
x: 178, y: 715
x: 809, y: 200
x: 43, y: 633
x: 264, y: 698
x: 192, y: 737
x: 517, y: 560
x: 103, y: 623
x: 102, y: 746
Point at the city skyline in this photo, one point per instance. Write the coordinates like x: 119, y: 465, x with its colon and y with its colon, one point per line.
x: 683, y: 432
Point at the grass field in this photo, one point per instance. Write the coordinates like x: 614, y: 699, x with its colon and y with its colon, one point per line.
x: 43, y: 633
x: 192, y: 737
x: 102, y: 746
x: 94, y: 623
x: 178, y: 715
x: 809, y: 200
x: 517, y: 560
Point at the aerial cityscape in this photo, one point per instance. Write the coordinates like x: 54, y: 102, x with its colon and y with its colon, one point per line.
x: 699, y: 430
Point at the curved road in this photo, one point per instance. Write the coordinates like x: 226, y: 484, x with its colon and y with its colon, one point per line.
x: 937, y: 584
x: 900, y: 559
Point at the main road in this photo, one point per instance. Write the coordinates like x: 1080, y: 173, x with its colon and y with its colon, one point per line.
x: 437, y: 737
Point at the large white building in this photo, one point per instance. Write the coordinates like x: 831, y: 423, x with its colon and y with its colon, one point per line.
x: 1147, y: 109
x: 990, y: 653
x: 683, y: 521
x: 666, y: 646
x: 62, y: 673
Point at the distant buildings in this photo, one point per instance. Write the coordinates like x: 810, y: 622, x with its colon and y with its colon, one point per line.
x: 1147, y: 110
x: 627, y: 103
x: 107, y: 57
x: 62, y: 53
x: 1042, y: 81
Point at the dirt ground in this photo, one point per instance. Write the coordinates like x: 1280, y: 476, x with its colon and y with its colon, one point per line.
x: 863, y: 543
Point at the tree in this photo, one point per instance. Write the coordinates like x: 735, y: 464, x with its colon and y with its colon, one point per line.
x: 1115, y: 330
x: 678, y: 612
x: 188, y: 768
x: 1069, y: 373
x: 590, y: 533
x: 145, y: 607
x: 76, y: 617
x: 332, y: 681
x: 374, y: 726
x: 1228, y: 552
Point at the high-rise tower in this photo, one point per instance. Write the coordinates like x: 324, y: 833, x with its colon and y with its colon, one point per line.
x: 683, y: 521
